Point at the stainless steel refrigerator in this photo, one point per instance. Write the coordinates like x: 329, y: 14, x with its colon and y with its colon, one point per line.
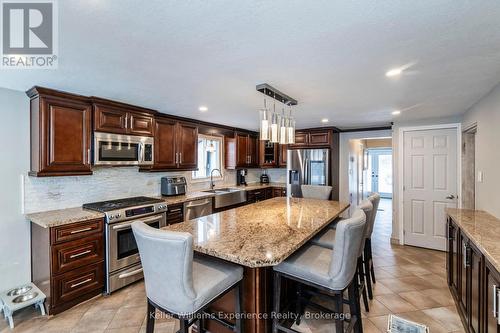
x: 306, y: 167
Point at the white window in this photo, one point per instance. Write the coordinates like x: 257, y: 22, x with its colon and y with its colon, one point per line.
x: 209, y: 156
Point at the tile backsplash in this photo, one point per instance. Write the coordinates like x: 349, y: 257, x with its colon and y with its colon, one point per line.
x: 48, y: 193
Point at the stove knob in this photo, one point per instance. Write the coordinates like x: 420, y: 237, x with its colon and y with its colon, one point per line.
x: 111, y: 217
x: 117, y: 216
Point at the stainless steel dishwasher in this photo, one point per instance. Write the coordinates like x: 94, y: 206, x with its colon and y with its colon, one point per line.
x: 197, y: 208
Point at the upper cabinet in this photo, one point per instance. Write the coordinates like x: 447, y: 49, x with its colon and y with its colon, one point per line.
x: 241, y: 151
x: 113, y: 117
x: 268, y: 154
x: 61, y: 131
x: 312, y: 138
x: 283, y: 150
x: 176, y: 145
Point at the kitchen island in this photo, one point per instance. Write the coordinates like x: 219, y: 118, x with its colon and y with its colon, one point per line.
x: 258, y: 236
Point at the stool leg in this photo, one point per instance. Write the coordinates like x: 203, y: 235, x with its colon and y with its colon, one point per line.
x: 184, y: 326
x: 355, y: 306
x: 368, y: 280
x: 276, y: 299
x: 370, y: 259
x: 339, y: 307
x: 150, y: 320
x: 238, y: 306
x: 361, y: 283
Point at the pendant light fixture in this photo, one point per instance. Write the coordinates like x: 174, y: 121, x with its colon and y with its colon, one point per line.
x: 276, y: 127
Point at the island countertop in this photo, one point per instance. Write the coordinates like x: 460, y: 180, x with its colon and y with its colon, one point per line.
x: 261, y: 234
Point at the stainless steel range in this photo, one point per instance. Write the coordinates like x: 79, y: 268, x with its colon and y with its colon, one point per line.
x: 123, y: 263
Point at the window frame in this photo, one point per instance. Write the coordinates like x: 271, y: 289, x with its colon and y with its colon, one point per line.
x: 217, y: 177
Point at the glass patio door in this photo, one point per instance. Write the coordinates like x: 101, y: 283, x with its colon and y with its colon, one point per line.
x: 381, y: 172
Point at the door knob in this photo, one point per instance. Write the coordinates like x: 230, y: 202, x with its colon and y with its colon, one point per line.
x: 451, y: 197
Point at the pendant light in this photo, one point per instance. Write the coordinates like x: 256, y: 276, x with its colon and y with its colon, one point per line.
x: 264, y: 120
x: 274, y: 132
x: 283, y: 127
x: 291, y: 127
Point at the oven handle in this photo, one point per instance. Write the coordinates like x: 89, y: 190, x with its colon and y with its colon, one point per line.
x: 127, y: 225
x: 126, y: 275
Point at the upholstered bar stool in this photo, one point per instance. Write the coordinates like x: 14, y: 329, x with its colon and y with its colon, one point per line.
x: 178, y: 283
x: 316, y: 191
x: 367, y: 253
x: 328, y: 273
x: 327, y: 239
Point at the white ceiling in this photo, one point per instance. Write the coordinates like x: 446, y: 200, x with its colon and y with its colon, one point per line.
x: 331, y: 56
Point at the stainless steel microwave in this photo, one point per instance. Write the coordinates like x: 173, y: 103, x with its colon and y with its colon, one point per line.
x: 118, y: 149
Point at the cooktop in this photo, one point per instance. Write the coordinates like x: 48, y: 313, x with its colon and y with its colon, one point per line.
x: 109, y: 205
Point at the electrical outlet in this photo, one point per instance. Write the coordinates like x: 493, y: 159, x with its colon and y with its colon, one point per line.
x: 480, y: 176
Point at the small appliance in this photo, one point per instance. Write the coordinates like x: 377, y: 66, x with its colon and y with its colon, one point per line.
x: 264, y: 179
x: 123, y: 263
x: 240, y: 176
x: 173, y: 186
x: 118, y: 149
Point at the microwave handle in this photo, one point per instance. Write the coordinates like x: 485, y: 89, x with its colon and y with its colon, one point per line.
x: 141, y: 152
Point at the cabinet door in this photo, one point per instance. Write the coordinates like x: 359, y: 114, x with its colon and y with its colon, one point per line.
x: 475, y: 285
x: 464, y: 249
x: 283, y: 155
x: 110, y: 119
x: 319, y: 138
x: 241, y: 150
x: 268, y: 154
x: 253, y: 151
x: 140, y: 124
x: 165, y: 135
x: 491, y: 296
x: 301, y: 138
x: 187, y: 146
x: 65, y: 147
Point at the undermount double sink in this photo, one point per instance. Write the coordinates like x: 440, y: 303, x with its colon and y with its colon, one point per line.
x: 225, y: 197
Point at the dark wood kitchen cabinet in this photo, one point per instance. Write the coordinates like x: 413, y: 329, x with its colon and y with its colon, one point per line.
x: 283, y: 152
x: 176, y: 145
x: 268, y: 154
x: 67, y: 262
x: 491, y: 298
x: 61, y: 131
x: 241, y: 151
x: 119, y: 118
x: 312, y: 138
x: 175, y: 213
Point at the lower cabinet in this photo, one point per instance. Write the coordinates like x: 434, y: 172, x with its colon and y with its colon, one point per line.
x: 68, y: 262
x: 175, y: 213
x: 473, y: 283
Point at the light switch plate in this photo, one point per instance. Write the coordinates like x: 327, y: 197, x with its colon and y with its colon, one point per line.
x: 480, y: 176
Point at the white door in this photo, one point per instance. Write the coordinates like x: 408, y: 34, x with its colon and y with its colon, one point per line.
x: 430, y: 185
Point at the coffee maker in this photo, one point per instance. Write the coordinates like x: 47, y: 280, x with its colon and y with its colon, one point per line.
x: 240, y: 176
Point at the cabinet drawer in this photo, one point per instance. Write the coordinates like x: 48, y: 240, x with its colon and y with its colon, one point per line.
x: 175, y: 214
x: 78, y: 253
x: 76, y: 283
x: 76, y: 231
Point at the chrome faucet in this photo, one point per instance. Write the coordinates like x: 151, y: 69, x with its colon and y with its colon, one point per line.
x: 212, y: 185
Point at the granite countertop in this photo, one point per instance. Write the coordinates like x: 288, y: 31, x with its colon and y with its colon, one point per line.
x: 261, y: 234
x: 257, y: 186
x: 53, y: 218
x: 482, y: 229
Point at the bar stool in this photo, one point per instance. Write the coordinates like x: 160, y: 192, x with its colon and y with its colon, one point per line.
x: 316, y: 191
x: 367, y: 253
x: 328, y: 272
x: 327, y: 239
x: 180, y: 285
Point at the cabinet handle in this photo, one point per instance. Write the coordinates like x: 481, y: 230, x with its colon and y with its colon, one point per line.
x: 88, y: 155
x: 80, y: 283
x: 79, y: 254
x: 466, y: 255
x: 180, y: 158
x: 175, y: 210
x: 126, y: 122
x: 494, y: 298
x: 80, y: 230
x: 176, y: 158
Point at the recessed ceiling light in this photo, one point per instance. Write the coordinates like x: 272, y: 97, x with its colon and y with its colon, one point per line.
x: 396, y: 112
x: 394, y: 72
x: 324, y: 120
x: 203, y: 108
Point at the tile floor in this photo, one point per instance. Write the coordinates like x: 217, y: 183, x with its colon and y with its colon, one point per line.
x: 410, y: 282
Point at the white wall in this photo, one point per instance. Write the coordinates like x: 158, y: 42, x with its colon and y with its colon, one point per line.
x: 395, y: 158
x: 14, y: 230
x: 486, y: 114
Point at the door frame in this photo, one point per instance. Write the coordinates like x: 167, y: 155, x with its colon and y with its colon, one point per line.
x: 401, y: 152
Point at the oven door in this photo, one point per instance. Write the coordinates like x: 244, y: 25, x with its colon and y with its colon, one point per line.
x: 122, y: 248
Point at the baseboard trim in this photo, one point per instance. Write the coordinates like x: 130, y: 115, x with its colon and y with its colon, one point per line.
x: 394, y: 241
